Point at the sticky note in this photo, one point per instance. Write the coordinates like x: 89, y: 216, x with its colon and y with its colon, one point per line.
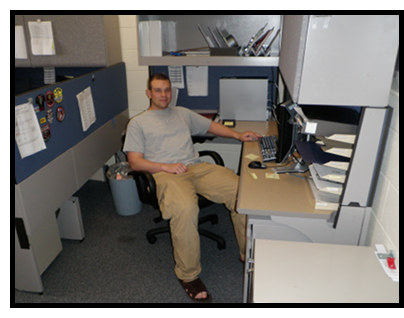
x: 252, y: 174
x: 272, y: 176
x: 251, y: 156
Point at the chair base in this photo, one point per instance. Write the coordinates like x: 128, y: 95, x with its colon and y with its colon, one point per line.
x: 212, y: 218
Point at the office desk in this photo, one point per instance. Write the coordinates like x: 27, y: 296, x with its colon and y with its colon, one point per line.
x: 297, y: 272
x: 284, y: 208
x: 288, y: 196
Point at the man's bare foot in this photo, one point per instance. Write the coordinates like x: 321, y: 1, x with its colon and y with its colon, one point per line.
x: 196, y: 290
x: 201, y: 295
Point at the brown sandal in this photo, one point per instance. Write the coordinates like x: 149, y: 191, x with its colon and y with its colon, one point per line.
x: 195, y: 287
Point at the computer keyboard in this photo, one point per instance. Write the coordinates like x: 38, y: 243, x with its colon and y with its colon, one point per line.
x: 268, y: 147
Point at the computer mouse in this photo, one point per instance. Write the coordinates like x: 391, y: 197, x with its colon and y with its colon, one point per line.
x: 257, y: 165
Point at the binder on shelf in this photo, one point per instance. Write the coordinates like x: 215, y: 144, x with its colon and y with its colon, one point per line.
x: 156, y: 37
x: 208, y: 38
x: 144, y: 38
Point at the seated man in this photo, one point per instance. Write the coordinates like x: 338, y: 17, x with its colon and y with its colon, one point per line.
x: 159, y: 141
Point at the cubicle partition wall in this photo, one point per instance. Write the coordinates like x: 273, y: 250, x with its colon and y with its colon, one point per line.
x: 45, y: 180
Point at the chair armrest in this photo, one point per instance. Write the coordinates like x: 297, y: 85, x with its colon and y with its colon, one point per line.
x: 146, y: 187
x: 215, y: 156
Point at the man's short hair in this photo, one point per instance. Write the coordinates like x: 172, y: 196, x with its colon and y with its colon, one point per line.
x: 156, y: 77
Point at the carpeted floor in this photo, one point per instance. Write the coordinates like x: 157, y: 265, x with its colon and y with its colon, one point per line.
x: 116, y: 264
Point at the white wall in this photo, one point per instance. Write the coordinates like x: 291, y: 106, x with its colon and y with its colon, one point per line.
x: 384, y: 223
x: 136, y: 75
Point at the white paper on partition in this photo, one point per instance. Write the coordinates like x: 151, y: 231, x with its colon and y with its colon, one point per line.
x: 86, y: 106
x: 42, y: 42
x: 20, y: 47
x: 27, y: 131
x: 197, y: 80
x: 176, y: 76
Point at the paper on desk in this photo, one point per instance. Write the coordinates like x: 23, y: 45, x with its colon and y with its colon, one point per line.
x: 20, y: 48
x: 251, y: 156
x: 252, y: 174
x: 41, y: 38
x: 197, y: 80
x: 27, y: 131
x: 86, y: 106
x: 272, y: 176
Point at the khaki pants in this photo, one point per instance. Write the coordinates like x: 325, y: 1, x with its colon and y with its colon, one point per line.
x: 179, y: 203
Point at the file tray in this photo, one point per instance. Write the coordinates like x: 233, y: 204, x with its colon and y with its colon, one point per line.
x: 328, y: 120
x: 312, y: 153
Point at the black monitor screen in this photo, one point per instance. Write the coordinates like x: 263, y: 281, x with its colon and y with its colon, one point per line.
x: 287, y: 131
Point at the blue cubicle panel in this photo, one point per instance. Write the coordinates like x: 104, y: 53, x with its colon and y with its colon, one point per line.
x: 215, y: 73
x: 109, y: 92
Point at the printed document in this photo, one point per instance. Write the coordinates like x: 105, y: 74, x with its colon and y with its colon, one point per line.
x: 86, y: 106
x: 197, y: 80
x: 27, y: 131
x: 41, y: 38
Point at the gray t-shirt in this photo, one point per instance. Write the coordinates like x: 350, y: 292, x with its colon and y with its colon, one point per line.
x: 165, y: 135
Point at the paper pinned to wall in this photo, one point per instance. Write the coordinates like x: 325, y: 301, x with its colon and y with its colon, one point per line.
x: 27, y: 131
x: 176, y: 76
x: 86, y: 106
x: 42, y: 42
x: 197, y: 80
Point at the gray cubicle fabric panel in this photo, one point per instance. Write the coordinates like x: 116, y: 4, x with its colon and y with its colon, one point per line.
x: 79, y: 41
x: 19, y: 20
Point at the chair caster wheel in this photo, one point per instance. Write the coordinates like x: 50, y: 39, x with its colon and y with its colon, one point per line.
x: 221, y: 246
x: 151, y: 239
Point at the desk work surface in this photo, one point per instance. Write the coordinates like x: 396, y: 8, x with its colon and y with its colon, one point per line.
x: 287, y: 196
x: 317, y: 273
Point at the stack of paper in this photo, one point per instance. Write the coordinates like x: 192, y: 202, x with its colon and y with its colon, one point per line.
x: 324, y: 185
x: 324, y: 200
x: 329, y: 173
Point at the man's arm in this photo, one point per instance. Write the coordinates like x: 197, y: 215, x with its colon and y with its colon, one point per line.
x: 138, y: 163
x: 223, y: 131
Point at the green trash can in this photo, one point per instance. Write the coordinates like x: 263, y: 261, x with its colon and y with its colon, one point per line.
x: 123, y: 189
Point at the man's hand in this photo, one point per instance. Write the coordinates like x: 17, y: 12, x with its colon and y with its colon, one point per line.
x: 223, y: 131
x: 249, y: 135
x: 176, y: 168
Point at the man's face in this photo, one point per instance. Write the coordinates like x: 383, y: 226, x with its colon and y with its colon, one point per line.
x: 159, y: 94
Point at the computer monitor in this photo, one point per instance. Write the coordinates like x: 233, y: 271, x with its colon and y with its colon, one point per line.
x: 288, y: 133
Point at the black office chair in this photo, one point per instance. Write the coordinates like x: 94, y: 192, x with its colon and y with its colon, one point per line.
x: 146, y: 187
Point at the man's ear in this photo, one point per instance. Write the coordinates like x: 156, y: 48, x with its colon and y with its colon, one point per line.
x: 148, y: 93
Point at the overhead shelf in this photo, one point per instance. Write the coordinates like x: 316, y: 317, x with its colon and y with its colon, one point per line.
x: 209, y: 60
x: 182, y: 32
